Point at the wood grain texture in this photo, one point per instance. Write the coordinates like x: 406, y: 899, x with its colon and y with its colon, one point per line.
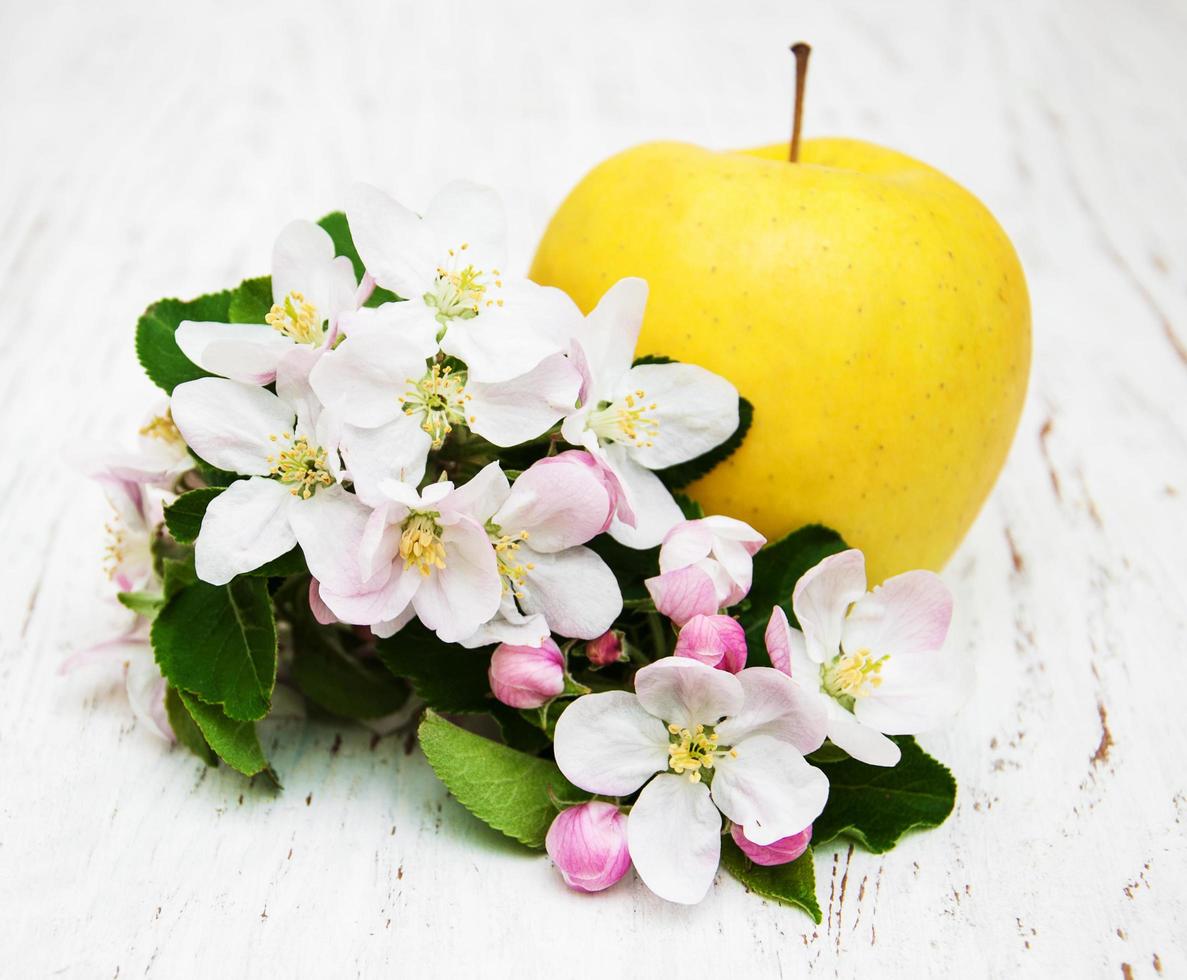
x: 154, y: 149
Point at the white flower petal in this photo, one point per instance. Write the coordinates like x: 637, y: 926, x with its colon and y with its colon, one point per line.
x: 768, y: 788
x: 609, y: 334
x: 686, y: 693
x: 574, y: 590
x: 303, y: 261
x: 696, y: 410
x: 397, y: 450
x: 230, y: 424
x: 919, y: 692
x: 686, y: 544
x: 821, y: 598
x: 455, y: 600
x: 509, y: 626
x: 508, y: 413
x: 363, y: 377
x: 909, y: 613
x: 606, y: 743
x: 656, y: 511
x: 776, y: 705
x: 245, y: 352
x: 558, y: 502
x: 865, y: 744
x: 245, y: 526
x: 394, y: 247
x: 469, y: 214
x: 674, y: 836
x: 479, y: 497
x: 146, y: 694
x: 330, y: 527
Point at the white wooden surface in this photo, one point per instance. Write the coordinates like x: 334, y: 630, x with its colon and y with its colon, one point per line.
x: 153, y: 149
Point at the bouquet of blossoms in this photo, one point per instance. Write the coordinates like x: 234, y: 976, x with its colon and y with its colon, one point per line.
x: 393, y: 481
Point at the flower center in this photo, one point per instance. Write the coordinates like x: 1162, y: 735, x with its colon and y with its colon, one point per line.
x: 849, y: 676
x: 114, y: 551
x: 459, y: 291
x: 301, y: 465
x: 297, y: 319
x: 511, y: 569
x: 440, y: 396
x: 693, y: 751
x: 162, y: 427
x: 421, y: 544
x: 626, y: 420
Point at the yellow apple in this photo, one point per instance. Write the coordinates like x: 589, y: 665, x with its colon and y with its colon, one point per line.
x: 872, y: 310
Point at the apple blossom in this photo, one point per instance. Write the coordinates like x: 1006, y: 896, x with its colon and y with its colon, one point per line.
x: 447, y: 264
x: 588, y: 845
x: 286, y: 447
x: 311, y: 287
x: 699, y: 743
x: 160, y: 456
x: 135, y: 518
x: 719, y: 641
x: 782, y: 851
x: 643, y: 418
x: 527, y: 677
x: 873, y: 660
x: 705, y: 565
x: 425, y: 554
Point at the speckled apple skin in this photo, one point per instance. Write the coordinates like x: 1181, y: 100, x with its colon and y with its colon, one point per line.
x: 872, y: 309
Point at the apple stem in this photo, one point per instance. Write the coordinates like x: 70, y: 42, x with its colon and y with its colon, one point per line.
x: 801, y: 52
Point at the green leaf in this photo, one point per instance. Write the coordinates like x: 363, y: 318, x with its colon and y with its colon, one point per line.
x: 338, y: 227
x: 777, y: 568
x: 186, y: 729
x: 682, y: 474
x: 251, y: 301
x: 789, y: 884
x: 176, y: 574
x: 876, y: 805
x: 184, y: 516
x: 690, y: 508
x: 219, y: 642
x: 156, y: 347
x: 445, y: 676
x: 146, y: 604
x: 335, y: 678
x: 512, y: 792
x: 292, y: 562
x: 236, y: 742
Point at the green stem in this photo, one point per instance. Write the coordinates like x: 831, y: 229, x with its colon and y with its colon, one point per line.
x: 659, y: 635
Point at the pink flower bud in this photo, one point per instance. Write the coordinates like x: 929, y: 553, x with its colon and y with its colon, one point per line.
x: 718, y: 641
x: 605, y: 650
x: 683, y: 593
x: 783, y: 851
x: 527, y: 677
x: 587, y: 843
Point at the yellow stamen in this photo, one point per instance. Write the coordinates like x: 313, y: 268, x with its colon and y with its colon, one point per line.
x: 440, y: 396
x: 694, y: 752
x: 421, y: 545
x: 852, y: 675
x: 302, y: 465
x: 627, y: 420
x: 297, y: 319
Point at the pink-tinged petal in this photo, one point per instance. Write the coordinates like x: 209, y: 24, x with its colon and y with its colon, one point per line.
x: 862, y: 742
x: 321, y: 612
x: 685, y: 693
x: 390, y: 627
x: 380, y: 605
x: 776, y: 705
x: 396, y: 450
x: 394, y: 247
x: 559, y: 501
x: 131, y: 643
x: 618, y: 505
x: 146, y: 695
x: 605, y: 649
x: 919, y: 692
x: 527, y: 676
x: 455, y: 600
x: 607, y: 744
x: 363, y: 377
x: 766, y: 786
x: 508, y: 413
x: 245, y: 526
x: 909, y: 613
x: 695, y: 410
x: 245, y: 352
x: 683, y: 594
x: 651, y: 503
x: 718, y: 641
x: 783, y: 851
x: 821, y: 598
x: 674, y: 833
x: 686, y: 544
x: 509, y: 626
x: 331, y: 528
x: 610, y: 332
x: 574, y: 590
x: 730, y: 529
x: 588, y: 845
x: 783, y: 643
x: 229, y: 424
x: 479, y: 498
x: 581, y: 363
